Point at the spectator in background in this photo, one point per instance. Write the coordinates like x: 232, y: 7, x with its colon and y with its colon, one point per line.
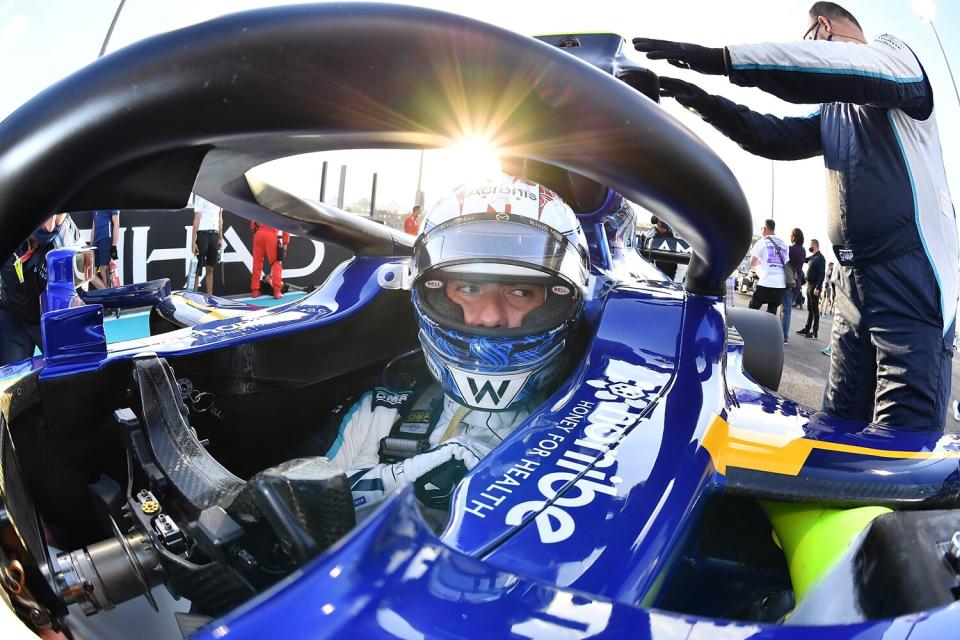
x: 24, y: 277
x: 106, y: 234
x: 829, y: 290
x: 795, y: 262
x: 815, y: 275
x: 207, y: 238
x: 768, y: 260
x: 411, y: 224
x: 661, y: 230
x: 268, y: 243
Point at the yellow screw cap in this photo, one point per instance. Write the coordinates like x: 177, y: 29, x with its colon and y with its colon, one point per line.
x: 150, y: 506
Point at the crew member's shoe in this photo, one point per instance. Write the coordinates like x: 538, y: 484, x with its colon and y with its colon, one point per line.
x: 811, y: 335
x: 804, y: 332
x: 255, y: 294
x: 278, y: 295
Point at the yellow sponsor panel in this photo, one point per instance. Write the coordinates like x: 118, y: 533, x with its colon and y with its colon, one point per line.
x: 730, y: 446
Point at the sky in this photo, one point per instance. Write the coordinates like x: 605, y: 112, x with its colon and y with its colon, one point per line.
x: 41, y: 42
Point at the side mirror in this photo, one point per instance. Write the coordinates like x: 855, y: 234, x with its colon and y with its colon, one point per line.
x: 83, y: 268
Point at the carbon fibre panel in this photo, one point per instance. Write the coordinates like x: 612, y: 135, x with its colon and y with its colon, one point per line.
x: 195, y: 474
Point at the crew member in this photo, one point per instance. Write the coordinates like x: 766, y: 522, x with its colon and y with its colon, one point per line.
x: 23, y: 278
x: 268, y: 243
x: 207, y: 238
x: 496, y: 337
x: 890, y: 216
x: 106, y: 233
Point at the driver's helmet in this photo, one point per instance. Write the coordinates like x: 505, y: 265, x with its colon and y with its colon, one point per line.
x: 500, y: 276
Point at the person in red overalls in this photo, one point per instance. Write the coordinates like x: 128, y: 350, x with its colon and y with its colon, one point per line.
x: 267, y: 243
x: 411, y: 224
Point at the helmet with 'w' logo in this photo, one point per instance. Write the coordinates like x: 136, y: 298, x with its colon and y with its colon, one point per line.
x: 500, y: 277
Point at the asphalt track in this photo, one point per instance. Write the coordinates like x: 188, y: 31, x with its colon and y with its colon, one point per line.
x: 805, y: 367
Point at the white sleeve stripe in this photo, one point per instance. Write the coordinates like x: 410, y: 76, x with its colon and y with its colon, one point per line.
x: 886, y: 58
x: 827, y: 70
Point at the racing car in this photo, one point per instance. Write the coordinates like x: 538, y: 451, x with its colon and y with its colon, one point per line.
x: 665, y: 490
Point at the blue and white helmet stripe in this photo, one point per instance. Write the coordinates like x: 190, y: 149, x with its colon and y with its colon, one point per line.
x: 491, y: 373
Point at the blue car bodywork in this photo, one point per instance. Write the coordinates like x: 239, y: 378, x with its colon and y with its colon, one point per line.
x: 589, y: 520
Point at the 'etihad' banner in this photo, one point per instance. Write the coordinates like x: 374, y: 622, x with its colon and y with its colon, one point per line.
x: 157, y: 244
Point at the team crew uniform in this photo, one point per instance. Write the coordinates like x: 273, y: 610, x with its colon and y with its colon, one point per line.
x: 23, y: 278
x: 103, y: 236
x: 891, y: 218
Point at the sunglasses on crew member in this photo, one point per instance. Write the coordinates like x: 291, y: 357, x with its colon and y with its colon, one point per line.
x: 813, y: 31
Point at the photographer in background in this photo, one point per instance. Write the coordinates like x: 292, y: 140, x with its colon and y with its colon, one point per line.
x: 661, y: 230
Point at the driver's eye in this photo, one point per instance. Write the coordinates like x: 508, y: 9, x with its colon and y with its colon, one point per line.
x: 521, y: 293
x: 468, y: 289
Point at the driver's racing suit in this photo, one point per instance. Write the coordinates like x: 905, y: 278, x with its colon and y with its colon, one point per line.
x: 890, y: 216
x: 451, y: 433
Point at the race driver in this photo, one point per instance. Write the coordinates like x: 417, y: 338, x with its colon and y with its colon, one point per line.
x: 890, y: 215
x: 499, y: 278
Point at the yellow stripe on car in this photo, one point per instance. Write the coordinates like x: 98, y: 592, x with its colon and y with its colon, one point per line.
x: 730, y: 446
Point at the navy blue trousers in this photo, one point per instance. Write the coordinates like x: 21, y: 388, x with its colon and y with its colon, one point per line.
x: 17, y: 338
x: 891, y: 361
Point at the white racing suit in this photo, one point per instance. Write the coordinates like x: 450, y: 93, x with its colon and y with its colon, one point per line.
x: 454, y: 433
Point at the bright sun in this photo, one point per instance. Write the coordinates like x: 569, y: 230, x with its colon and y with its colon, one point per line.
x: 469, y: 160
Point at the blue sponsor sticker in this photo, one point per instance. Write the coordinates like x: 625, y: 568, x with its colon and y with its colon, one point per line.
x: 359, y: 501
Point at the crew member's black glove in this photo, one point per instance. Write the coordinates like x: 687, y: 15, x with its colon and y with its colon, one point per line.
x: 113, y: 253
x: 689, y: 95
x: 711, y: 61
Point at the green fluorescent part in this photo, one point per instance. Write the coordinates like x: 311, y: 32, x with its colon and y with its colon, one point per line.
x: 813, y: 538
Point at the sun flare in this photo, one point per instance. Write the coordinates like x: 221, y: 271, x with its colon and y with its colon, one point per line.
x: 467, y: 160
